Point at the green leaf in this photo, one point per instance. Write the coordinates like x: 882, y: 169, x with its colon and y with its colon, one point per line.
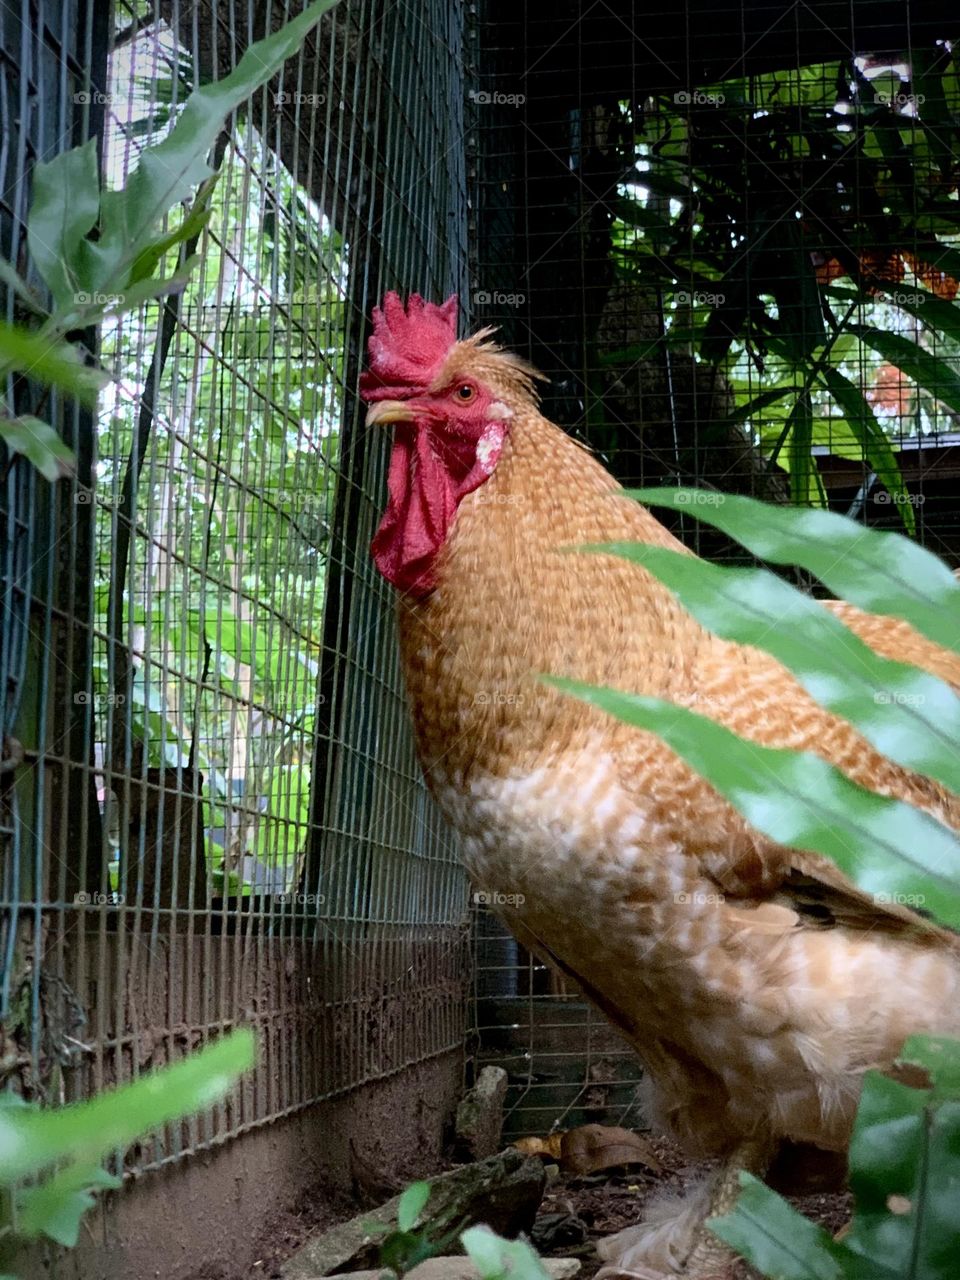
x: 904, y: 1159
x: 192, y: 224
x: 940, y: 1058
x: 935, y: 375
x: 146, y: 290
x: 167, y: 173
x: 776, y: 1239
x: 246, y: 643
x: 402, y: 1250
x: 744, y: 412
x: 32, y: 1141
x: 907, y: 714
x: 887, y: 848
x: 499, y: 1259
x: 806, y: 486
x: 39, y: 444
x: 936, y: 313
x: 411, y: 1205
x: 10, y: 277
x: 50, y: 361
x: 64, y: 208
x: 56, y: 1207
x: 877, y: 449
x: 882, y: 572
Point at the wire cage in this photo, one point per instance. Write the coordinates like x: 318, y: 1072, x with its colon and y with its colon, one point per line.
x: 215, y: 816
x: 730, y: 238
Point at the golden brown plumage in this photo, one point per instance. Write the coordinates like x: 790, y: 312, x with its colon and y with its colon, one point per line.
x: 756, y: 983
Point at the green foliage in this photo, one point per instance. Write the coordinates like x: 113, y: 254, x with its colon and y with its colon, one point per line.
x: 39, y: 444
x: 412, y: 1203
x: 880, y: 572
x: 494, y: 1257
x: 904, y: 1173
x: 97, y: 250
x: 235, y: 496
x: 168, y: 172
x: 236, y: 612
x: 48, y: 360
x: 905, y: 1152
x: 405, y: 1248
x: 499, y: 1259
x: 751, y: 198
x: 911, y: 716
x: 885, y: 846
x: 51, y: 1161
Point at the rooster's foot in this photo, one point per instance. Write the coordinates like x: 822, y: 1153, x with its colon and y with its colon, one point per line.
x: 673, y: 1240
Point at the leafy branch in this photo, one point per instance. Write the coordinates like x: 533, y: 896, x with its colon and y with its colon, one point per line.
x: 98, y: 251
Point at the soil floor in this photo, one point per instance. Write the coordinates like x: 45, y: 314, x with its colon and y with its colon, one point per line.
x: 574, y: 1215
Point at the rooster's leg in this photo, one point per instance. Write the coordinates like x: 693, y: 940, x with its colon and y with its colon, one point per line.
x: 680, y: 1245
x: 710, y: 1256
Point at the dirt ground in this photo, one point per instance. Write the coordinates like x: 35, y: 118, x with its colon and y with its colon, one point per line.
x: 574, y: 1215
x: 606, y: 1203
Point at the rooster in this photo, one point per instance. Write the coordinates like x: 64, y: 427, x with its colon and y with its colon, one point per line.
x: 756, y: 983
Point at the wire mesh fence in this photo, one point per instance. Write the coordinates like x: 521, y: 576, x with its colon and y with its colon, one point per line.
x: 216, y: 816
x: 731, y: 239
x: 735, y: 253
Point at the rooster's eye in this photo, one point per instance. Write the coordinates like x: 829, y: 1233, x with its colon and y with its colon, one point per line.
x: 465, y: 393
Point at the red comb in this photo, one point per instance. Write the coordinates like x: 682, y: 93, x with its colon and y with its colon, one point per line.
x: 408, y: 345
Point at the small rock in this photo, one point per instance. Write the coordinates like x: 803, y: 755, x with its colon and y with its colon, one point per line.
x: 480, y: 1116
x: 553, y: 1232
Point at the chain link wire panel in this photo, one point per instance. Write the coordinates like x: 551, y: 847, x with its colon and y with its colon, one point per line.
x: 731, y: 237
x: 239, y: 833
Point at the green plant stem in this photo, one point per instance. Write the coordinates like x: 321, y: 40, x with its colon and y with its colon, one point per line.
x: 812, y: 373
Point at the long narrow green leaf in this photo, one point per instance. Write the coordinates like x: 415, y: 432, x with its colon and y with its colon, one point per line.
x: 884, y: 846
x: 50, y: 361
x: 10, y: 278
x: 168, y: 172
x: 877, y: 449
x: 39, y: 444
x: 30, y: 1141
x: 881, y: 572
x: 770, y: 1233
x: 154, y: 287
x: 805, y: 483
x: 930, y: 372
x: 744, y: 412
x: 193, y: 222
x: 908, y: 715
x: 936, y: 313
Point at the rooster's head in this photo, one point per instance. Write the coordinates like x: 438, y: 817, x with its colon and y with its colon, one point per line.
x: 452, y: 404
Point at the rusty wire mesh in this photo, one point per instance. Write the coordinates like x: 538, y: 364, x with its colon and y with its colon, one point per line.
x: 200, y: 664
x: 218, y: 818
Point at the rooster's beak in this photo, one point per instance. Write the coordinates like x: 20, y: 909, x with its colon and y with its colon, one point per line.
x: 385, y: 411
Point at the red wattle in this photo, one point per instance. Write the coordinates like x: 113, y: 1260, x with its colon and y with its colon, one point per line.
x: 429, y: 475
